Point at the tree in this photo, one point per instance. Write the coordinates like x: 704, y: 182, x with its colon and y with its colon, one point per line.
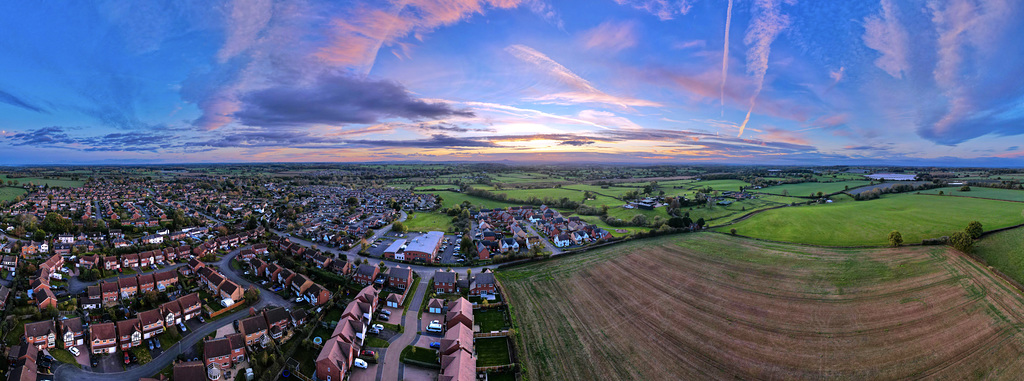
x: 639, y: 220
x: 399, y: 227
x: 974, y: 229
x: 965, y: 188
x: 732, y: 231
x: 895, y: 238
x: 352, y: 201
x: 961, y: 241
x: 700, y: 223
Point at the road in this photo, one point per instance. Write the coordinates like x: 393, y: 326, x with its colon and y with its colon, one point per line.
x: 547, y: 244
x: 66, y: 372
x: 389, y: 369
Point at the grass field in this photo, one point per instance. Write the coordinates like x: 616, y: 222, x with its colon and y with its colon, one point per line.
x: 805, y: 189
x: 709, y: 306
x: 428, y: 221
x: 1004, y: 251
x: 9, y: 193
x: 450, y: 199
x: 869, y: 222
x: 980, y: 192
x: 720, y: 185
x: 61, y: 183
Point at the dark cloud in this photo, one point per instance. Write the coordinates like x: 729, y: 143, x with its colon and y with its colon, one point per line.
x: 337, y: 99
x: 448, y: 127
x: 57, y: 137
x: 43, y: 137
x: 576, y: 143
x: 14, y: 100
x: 435, y: 141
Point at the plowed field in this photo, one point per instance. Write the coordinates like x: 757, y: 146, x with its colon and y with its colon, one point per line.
x: 702, y: 306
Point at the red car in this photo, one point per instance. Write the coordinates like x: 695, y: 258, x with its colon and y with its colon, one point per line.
x: 126, y: 359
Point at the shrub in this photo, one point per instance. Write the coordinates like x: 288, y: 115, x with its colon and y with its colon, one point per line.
x: 965, y: 188
x: 895, y: 239
x: 974, y: 229
x: 961, y: 241
x: 732, y: 231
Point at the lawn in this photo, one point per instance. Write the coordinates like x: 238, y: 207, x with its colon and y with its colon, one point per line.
x: 805, y: 189
x: 15, y: 334
x: 492, y: 352
x: 9, y: 193
x: 869, y: 222
x: 1004, y: 251
x: 60, y: 183
x: 64, y: 356
x: 426, y: 356
x: 596, y: 221
x: 375, y: 342
x: 980, y: 192
x: 711, y: 306
x: 428, y: 221
x: 490, y: 320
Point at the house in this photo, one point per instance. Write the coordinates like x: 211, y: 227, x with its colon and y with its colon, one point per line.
x: 435, y: 306
x: 128, y: 286
x: 424, y: 248
x: 483, y: 283
x: 165, y: 279
x: 93, y: 298
x: 350, y: 331
x: 171, y: 312
x: 335, y: 359
x: 298, y: 316
x: 89, y: 261
x: 358, y: 311
x: 130, y: 260
x: 193, y: 266
x: 255, y: 330
x: 459, y: 366
x: 300, y: 283
x: 110, y: 292
x: 482, y: 251
x: 457, y: 338
x: 365, y: 274
x: 190, y: 370
x: 341, y: 267
x: 394, y: 300
x: 237, y: 347
x: 260, y: 249
x: 368, y: 295
x: 284, y: 277
x: 509, y: 244
x: 129, y: 333
x: 217, y: 352
x: 9, y: 263
x: 45, y: 298
x: 445, y: 282
x: 321, y: 260
x: 41, y: 334
x: 190, y: 306
x: 72, y: 332
x: 277, y: 321
x: 562, y: 240
x: 5, y: 293
x: 24, y: 370
x: 246, y: 255
x: 110, y: 263
x: 399, y: 277
x: 231, y: 290
x: 147, y: 282
x: 317, y: 295
x: 152, y: 323
x: 21, y: 352
x: 460, y: 311
x: 102, y: 338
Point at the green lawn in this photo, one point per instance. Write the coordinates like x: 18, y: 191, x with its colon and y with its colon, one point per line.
x: 14, y: 335
x: 454, y: 198
x: 428, y: 221
x: 869, y: 222
x: 805, y: 189
x: 492, y: 352
x: 9, y: 193
x: 992, y: 193
x: 375, y: 342
x: 60, y: 183
x: 490, y: 320
x: 1004, y: 251
x: 596, y: 221
x: 64, y: 356
x: 420, y: 354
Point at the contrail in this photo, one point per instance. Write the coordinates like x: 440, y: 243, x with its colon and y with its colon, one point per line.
x: 725, y: 55
x: 760, y: 35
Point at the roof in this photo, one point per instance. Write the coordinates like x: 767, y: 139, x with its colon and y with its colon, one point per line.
x: 394, y: 246
x: 253, y: 324
x: 150, y: 317
x: 337, y: 352
x: 236, y: 340
x: 146, y: 279
x: 192, y: 370
x: 126, y: 327
x: 24, y: 371
x: 435, y: 303
x: 165, y: 275
x: 460, y: 306
x: 128, y: 282
x: 458, y: 335
x: 367, y: 270
x: 484, y: 278
x: 216, y: 348
x: 459, y: 366
x: 42, y: 295
x: 425, y: 243
x: 171, y: 306
x: 229, y: 287
x: 188, y: 300
x: 368, y: 294
x: 103, y: 331
x: 399, y: 272
x: 109, y: 286
x: 24, y: 350
x: 445, y: 276
x: 274, y: 315
x: 73, y: 324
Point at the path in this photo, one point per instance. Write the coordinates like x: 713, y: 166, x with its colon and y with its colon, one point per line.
x: 389, y: 368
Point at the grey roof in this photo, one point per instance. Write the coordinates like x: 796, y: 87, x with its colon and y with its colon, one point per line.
x: 445, y: 277
x: 425, y: 243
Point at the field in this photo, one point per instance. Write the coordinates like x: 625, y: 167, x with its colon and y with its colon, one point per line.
x: 428, y: 221
x: 805, y: 189
x: 869, y: 222
x: 61, y: 183
x: 980, y: 192
x: 884, y: 186
x: 9, y: 193
x: 709, y: 306
x: 1004, y: 251
x: 450, y: 199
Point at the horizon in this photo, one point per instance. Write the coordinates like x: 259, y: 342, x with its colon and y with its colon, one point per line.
x: 618, y: 82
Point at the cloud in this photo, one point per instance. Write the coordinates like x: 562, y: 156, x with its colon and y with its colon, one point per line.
x: 57, y: 137
x: 435, y: 141
x: 355, y: 39
x: 682, y: 45
x: 576, y: 143
x: 247, y: 19
x: 725, y: 57
x: 663, y: 9
x: 43, y: 137
x: 584, y: 91
x: 605, y: 118
x: 14, y: 100
x: 611, y: 36
x: 334, y: 98
x: 884, y: 33
x: 767, y: 25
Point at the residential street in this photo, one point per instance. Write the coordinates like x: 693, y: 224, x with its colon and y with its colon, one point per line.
x: 389, y: 369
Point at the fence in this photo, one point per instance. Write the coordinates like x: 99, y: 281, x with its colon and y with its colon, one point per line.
x: 484, y: 335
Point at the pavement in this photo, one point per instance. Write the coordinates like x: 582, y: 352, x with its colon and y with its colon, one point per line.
x: 67, y: 372
x: 390, y: 364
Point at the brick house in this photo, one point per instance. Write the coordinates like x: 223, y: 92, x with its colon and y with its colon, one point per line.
x: 483, y: 283
x: 445, y: 282
x: 317, y: 295
x: 190, y: 306
x: 399, y: 277
x: 110, y: 292
x: 102, y: 338
x: 147, y: 282
x: 128, y: 286
x: 335, y: 359
x: 171, y: 313
x: 165, y: 279
x: 129, y: 333
x: 41, y: 334
x: 365, y: 274
x: 152, y: 323
x: 460, y: 311
x: 72, y: 332
x: 255, y: 329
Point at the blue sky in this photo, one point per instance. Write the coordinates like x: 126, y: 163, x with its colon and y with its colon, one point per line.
x: 644, y: 81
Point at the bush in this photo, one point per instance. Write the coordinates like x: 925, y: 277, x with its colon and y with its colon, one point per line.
x: 732, y: 231
x: 961, y: 241
x: 974, y: 229
x: 895, y: 239
x: 965, y: 188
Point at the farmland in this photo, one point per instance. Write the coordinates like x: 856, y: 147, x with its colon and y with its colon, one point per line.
x: 709, y: 306
x: 11, y: 193
x: 1004, y: 251
x: 805, y: 189
x: 869, y: 222
x: 61, y: 183
x: 455, y: 198
x: 980, y: 192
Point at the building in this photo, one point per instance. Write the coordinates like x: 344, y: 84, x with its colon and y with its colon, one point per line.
x: 255, y: 330
x: 191, y: 370
x: 129, y: 333
x: 102, y: 338
x: 446, y: 282
x: 365, y: 274
x: 435, y: 306
x: 335, y: 359
x: 41, y: 334
x: 152, y: 323
x: 400, y: 278
x: 72, y: 332
x: 460, y: 311
x: 483, y: 283
x: 424, y: 248
x: 190, y: 306
x: 460, y: 366
x: 277, y: 321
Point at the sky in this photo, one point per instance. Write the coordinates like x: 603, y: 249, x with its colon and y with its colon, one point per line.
x: 917, y: 82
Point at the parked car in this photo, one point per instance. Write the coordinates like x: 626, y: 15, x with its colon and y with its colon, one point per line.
x: 95, y: 361
x: 126, y: 359
x: 385, y: 312
x: 201, y: 320
x: 183, y: 327
x: 383, y: 317
x: 379, y: 327
x: 434, y: 326
x: 367, y: 352
x: 360, y: 363
x: 74, y: 351
x: 150, y: 342
x: 435, y: 345
x: 157, y: 342
x: 298, y: 300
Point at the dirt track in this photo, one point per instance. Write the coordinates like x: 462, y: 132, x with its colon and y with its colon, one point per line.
x: 712, y: 306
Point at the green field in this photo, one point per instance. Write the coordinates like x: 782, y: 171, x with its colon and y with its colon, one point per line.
x: 428, y: 221
x: 61, y: 183
x: 979, y: 192
x: 805, y: 189
x: 720, y: 185
x: 454, y: 198
x: 1004, y: 251
x: 557, y: 194
x: 9, y: 193
x: 869, y: 222
x: 596, y: 221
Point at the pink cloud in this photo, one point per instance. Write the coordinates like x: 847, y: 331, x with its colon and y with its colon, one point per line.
x: 885, y: 34
x: 611, y: 36
x: 244, y: 24
x: 663, y: 9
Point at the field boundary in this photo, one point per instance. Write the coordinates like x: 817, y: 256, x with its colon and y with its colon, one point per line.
x: 974, y: 197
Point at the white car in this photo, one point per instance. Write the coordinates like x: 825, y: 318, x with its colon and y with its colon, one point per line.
x: 360, y: 363
x: 377, y: 326
x: 298, y: 300
x: 434, y: 326
x: 74, y: 351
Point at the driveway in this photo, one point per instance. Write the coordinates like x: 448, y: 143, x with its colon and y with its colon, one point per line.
x: 391, y: 364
